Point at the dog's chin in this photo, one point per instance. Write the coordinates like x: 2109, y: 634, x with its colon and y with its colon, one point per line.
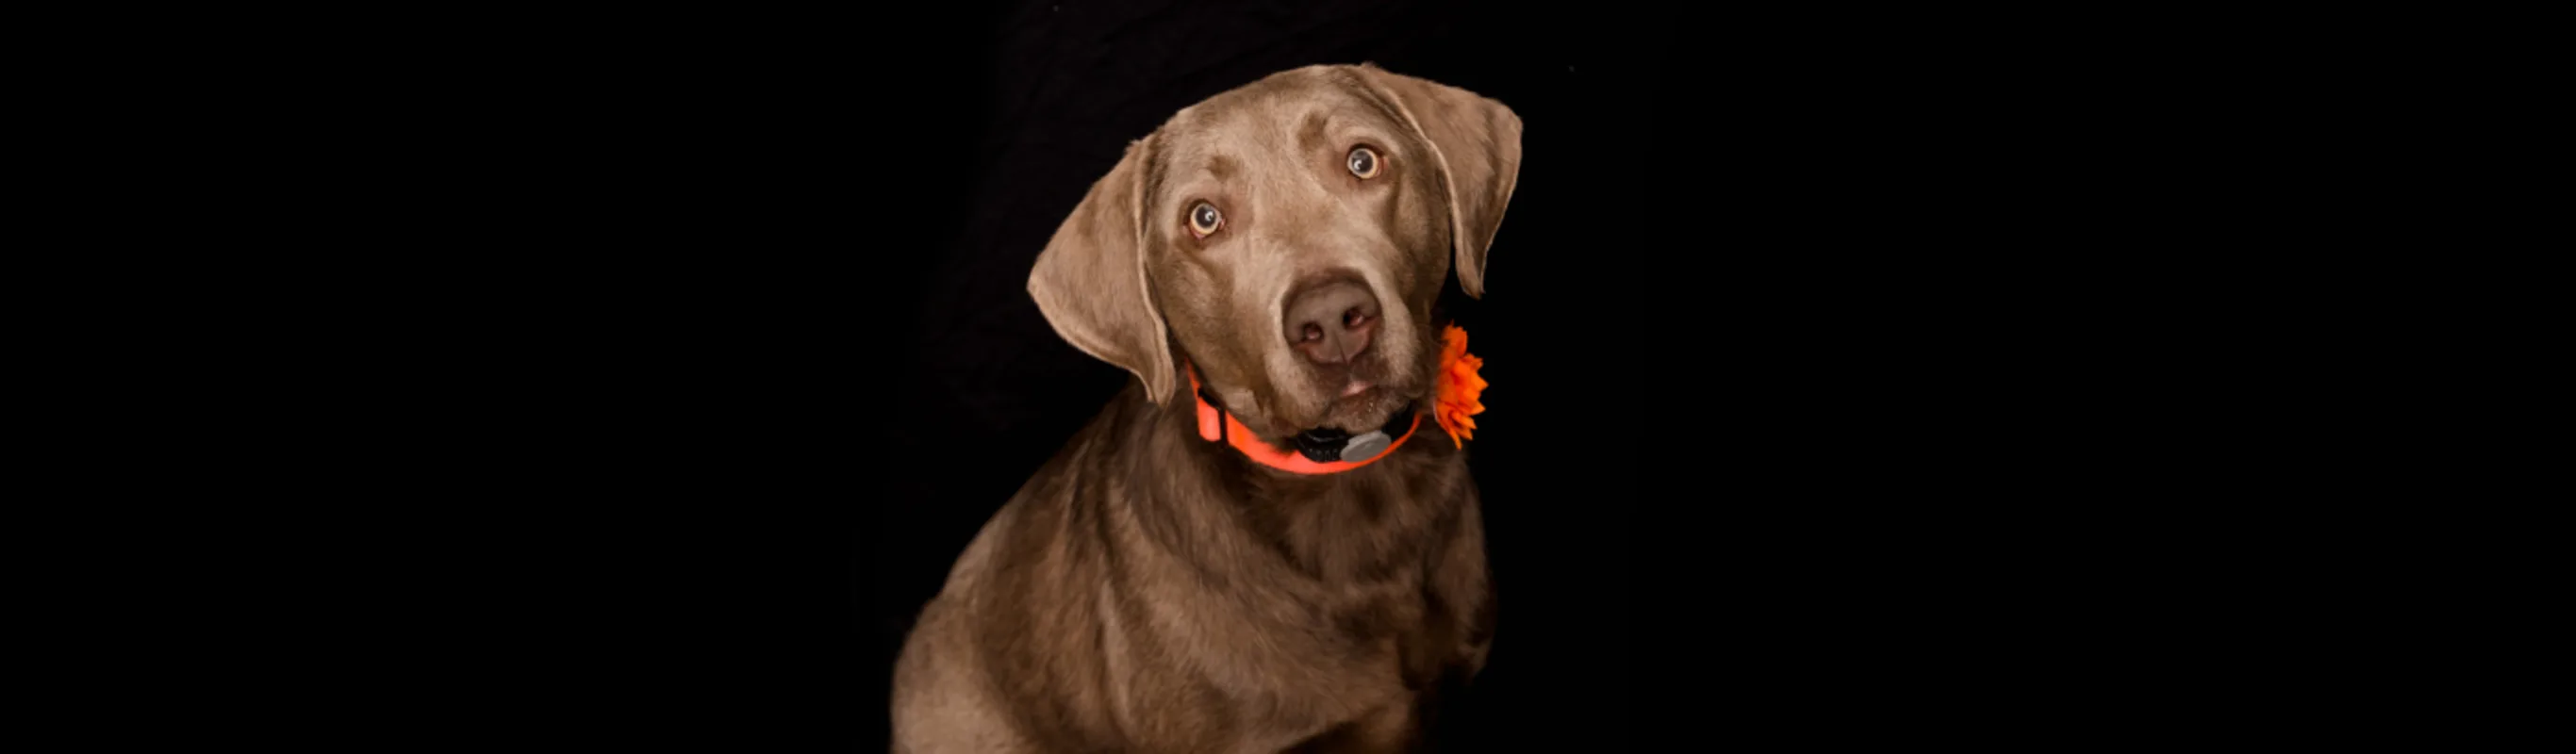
x: 1370, y: 408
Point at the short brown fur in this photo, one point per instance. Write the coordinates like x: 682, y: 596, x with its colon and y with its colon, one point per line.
x: 1149, y: 591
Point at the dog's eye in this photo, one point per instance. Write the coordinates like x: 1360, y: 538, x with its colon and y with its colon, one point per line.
x: 1363, y: 162
x: 1204, y: 220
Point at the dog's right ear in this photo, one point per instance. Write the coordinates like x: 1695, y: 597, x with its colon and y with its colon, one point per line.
x: 1090, y: 280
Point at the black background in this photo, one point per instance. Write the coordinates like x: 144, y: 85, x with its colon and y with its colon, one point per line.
x: 661, y: 364
x: 1054, y: 93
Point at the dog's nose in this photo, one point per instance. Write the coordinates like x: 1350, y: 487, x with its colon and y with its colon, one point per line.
x: 1331, y: 323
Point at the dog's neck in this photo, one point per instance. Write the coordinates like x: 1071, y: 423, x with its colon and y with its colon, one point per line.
x: 1352, y: 525
x: 1315, y: 451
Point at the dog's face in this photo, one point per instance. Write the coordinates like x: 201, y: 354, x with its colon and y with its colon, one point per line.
x: 1290, y: 236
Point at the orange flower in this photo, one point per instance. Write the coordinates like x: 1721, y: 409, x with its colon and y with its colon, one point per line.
x: 1459, y: 387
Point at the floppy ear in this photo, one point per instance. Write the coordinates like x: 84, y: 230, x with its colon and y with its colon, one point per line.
x: 1477, y: 143
x: 1090, y: 280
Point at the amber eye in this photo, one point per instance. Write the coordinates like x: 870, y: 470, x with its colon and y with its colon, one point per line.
x: 1363, y: 162
x: 1204, y: 220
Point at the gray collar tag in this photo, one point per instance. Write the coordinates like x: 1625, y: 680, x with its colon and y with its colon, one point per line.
x: 1366, y: 446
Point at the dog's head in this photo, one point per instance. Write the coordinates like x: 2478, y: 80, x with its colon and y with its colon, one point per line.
x: 1290, y: 236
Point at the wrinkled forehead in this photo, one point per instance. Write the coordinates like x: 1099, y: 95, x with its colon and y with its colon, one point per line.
x: 1281, y: 120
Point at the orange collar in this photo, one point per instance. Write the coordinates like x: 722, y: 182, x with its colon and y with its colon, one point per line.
x: 1217, y: 425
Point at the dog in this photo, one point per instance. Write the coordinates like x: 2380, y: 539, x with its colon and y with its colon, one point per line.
x: 1176, y: 579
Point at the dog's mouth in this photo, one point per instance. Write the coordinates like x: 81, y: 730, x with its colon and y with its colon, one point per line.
x: 1364, y: 406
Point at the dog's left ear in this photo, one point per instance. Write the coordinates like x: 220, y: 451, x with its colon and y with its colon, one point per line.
x: 1090, y: 280
x: 1477, y: 144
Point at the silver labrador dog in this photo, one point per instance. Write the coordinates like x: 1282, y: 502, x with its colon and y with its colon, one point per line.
x: 1245, y: 565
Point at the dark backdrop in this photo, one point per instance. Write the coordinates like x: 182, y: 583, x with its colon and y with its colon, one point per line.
x: 1041, y: 98
x: 699, y: 350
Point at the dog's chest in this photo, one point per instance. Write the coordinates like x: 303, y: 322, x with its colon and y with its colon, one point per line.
x: 1356, y: 663
x: 1279, y: 661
